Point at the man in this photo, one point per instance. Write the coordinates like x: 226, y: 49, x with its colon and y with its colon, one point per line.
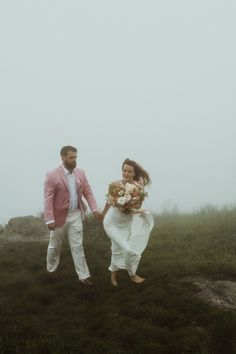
x: 65, y: 210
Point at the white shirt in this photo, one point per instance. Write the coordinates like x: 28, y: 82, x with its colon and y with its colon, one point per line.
x: 72, y: 189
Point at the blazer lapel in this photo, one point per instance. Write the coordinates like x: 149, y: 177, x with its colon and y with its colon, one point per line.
x: 63, y: 177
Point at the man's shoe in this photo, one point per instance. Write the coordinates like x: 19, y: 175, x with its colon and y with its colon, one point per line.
x: 87, y: 282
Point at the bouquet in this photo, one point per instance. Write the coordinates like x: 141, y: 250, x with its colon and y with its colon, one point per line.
x: 126, y: 197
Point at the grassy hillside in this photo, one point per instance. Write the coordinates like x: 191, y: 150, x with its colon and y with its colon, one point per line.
x: 43, y: 315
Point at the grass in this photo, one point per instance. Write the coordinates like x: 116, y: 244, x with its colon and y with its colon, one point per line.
x: 43, y: 315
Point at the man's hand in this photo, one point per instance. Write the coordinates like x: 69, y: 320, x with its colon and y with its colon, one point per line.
x: 51, y: 226
x: 98, y: 215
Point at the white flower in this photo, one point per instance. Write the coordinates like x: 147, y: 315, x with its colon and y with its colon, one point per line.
x: 127, y: 196
x: 129, y: 187
x: 121, y: 200
x: 120, y: 193
x: 135, y: 198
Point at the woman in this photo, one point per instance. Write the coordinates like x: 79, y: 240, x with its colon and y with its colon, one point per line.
x: 128, y: 238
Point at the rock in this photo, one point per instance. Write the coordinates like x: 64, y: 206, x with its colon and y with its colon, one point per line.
x: 26, y: 226
x: 220, y: 293
x: 2, y: 229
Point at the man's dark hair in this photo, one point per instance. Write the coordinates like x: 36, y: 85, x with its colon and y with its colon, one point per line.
x: 66, y: 149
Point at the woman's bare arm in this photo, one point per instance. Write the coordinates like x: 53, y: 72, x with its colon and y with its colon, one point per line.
x: 106, y: 208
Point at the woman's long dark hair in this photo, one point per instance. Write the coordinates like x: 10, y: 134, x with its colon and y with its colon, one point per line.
x: 139, y: 172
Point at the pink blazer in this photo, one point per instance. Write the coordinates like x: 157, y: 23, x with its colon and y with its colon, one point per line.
x: 57, y: 196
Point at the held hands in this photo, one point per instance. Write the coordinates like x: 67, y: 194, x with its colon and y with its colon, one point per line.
x: 51, y: 226
x: 98, y: 215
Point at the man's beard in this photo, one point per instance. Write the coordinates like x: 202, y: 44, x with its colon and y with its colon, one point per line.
x: 70, y: 166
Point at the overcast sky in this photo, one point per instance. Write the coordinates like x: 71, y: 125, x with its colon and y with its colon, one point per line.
x: 154, y: 81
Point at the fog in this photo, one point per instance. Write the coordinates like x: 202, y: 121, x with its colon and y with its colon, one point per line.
x: 154, y: 81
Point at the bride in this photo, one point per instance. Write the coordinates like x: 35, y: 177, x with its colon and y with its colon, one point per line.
x: 129, y: 235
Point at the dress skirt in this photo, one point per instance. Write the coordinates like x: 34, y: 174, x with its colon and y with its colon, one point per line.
x: 129, y: 235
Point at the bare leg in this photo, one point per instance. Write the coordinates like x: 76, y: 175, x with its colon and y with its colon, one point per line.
x: 137, y: 279
x: 114, y: 278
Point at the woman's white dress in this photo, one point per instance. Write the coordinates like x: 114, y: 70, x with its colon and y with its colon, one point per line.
x: 129, y: 235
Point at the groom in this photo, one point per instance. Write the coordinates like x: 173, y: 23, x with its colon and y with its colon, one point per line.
x: 65, y: 210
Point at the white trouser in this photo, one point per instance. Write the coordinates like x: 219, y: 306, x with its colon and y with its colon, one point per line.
x: 74, y: 229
